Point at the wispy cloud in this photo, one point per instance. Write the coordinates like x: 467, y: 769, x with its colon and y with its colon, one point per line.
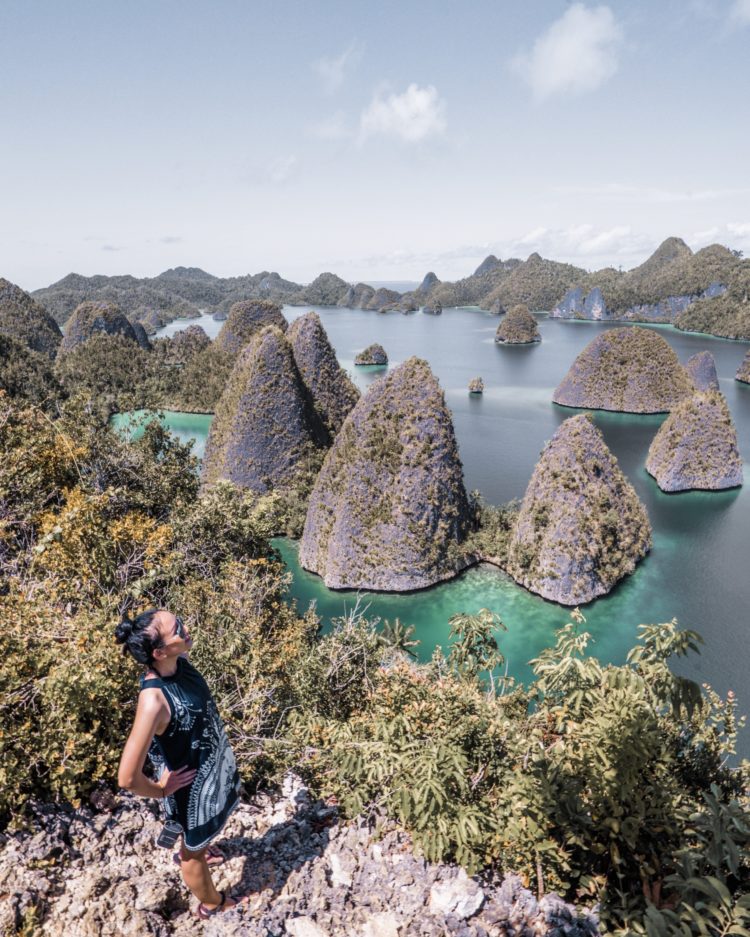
x: 171, y: 239
x: 413, y: 115
x: 733, y: 234
x: 332, y: 71
x: 111, y: 248
x: 281, y: 169
x: 577, y: 53
x: 619, y: 192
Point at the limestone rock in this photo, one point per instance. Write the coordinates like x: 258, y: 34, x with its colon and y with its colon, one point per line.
x: 487, y: 266
x: 383, y: 297
x: 702, y: 370
x: 327, y: 289
x: 389, y: 510
x: 594, y: 306
x: 23, y: 319
x: 476, y: 385
x: 433, y: 309
x: 265, y: 426
x: 696, y: 446
x: 382, y: 924
x: 578, y: 305
x: 743, y: 371
x: 142, y: 337
x: 581, y: 527
x: 304, y: 926
x: 245, y: 320
x: 373, y: 354
x: 92, y: 318
x: 518, y: 327
x: 333, y: 394
x: 430, y: 280
x: 357, y: 297
x: 460, y: 896
x: 27, y: 375
x: 184, y: 345
x: 630, y: 370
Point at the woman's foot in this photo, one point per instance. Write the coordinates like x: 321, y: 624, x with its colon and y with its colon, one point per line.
x: 204, y: 912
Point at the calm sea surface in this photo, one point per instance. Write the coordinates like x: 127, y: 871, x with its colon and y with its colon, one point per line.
x: 698, y: 569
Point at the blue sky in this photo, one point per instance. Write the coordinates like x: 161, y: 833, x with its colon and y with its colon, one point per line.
x: 375, y: 140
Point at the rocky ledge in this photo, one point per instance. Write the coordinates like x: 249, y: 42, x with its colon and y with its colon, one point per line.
x: 389, y: 510
x: 95, y: 318
x: 373, y: 354
x: 518, y: 327
x: 629, y: 370
x: 696, y: 446
x: 581, y: 527
x: 94, y: 872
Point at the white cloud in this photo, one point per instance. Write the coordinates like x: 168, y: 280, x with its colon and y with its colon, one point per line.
x: 415, y: 114
x: 577, y: 53
x: 332, y: 71
x: 281, y: 168
x: 739, y: 228
x: 740, y: 12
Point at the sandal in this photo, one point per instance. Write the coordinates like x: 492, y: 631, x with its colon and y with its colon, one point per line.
x: 213, y: 857
x: 205, y: 913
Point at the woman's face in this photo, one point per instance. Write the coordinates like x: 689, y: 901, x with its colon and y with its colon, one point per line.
x: 173, y: 634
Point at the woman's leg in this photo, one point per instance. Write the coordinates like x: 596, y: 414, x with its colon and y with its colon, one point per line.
x: 197, y: 876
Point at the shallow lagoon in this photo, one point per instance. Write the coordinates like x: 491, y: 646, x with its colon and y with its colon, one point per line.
x: 696, y: 571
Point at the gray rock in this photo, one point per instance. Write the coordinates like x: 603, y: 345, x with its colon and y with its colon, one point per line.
x: 460, y: 896
x: 702, y: 370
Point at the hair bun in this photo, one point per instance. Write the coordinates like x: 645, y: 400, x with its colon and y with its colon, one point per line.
x: 123, y: 631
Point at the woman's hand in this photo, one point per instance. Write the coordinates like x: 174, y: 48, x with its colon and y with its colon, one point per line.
x: 171, y: 781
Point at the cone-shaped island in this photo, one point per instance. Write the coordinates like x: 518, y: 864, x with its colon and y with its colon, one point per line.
x: 94, y: 318
x: 696, y: 446
x: 332, y: 392
x: 245, y: 320
x: 265, y: 425
x: 629, y: 370
x: 389, y: 510
x: 581, y: 527
x: 373, y: 354
x: 518, y: 327
x: 23, y: 319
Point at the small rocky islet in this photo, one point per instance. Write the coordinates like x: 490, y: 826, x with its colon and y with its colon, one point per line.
x: 389, y: 510
x: 701, y: 369
x: 581, y: 526
x: 696, y: 446
x: 627, y: 370
x: 374, y: 354
x: 519, y: 327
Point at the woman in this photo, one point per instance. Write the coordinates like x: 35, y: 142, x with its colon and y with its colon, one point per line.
x: 178, y: 726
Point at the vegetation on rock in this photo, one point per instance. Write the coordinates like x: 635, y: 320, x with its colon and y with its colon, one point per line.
x: 581, y: 526
x: 389, y: 510
x: 27, y: 375
x: 476, y: 385
x: 266, y: 430
x: 95, y: 318
x: 630, y: 370
x: 23, y: 319
x: 245, y: 320
x: 727, y: 315
x: 518, y: 327
x: 701, y: 368
x: 333, y: 394
x: 373, y: 354
x: 743, y: 371
x: 696, y: 446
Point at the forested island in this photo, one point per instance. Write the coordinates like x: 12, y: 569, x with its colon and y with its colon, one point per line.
x: 596, y: 798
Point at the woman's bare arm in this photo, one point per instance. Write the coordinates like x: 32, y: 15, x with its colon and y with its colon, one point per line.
x: 151, y: 715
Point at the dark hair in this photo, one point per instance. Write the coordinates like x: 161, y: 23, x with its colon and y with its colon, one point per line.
x: 138, y: 637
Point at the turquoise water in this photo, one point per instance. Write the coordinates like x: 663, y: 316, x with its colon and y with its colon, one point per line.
x: 696, y: 571
x: 186, y: 426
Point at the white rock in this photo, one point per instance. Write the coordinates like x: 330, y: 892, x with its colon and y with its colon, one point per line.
x: 460, y: 896
x: 383, y: 924
x: 303, y: 927
x: 339, y: 874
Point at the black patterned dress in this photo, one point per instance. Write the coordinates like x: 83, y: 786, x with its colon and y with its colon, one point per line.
x: 195, y: 738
